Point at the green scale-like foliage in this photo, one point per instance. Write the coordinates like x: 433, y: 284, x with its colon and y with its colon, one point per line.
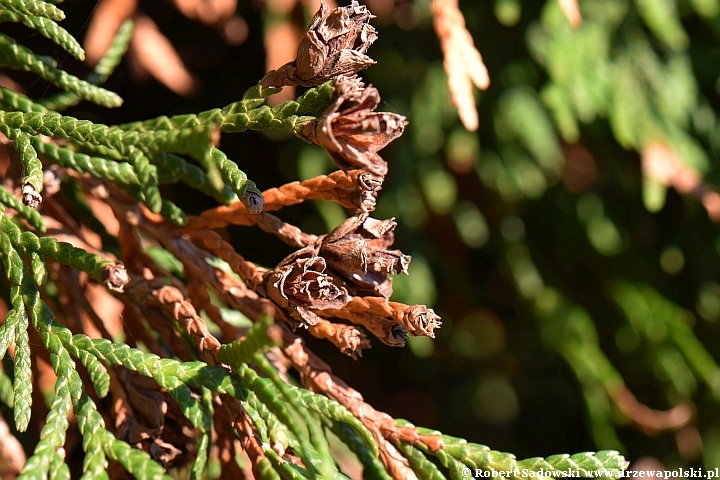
x: 185, y: 134
x: 138, y: 157
x: 48, y: 28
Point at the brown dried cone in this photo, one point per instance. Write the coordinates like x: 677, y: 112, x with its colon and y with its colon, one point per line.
x: 352, y: 132
x: 115, y: 277
x: 299, y: 284
x: 334, y: 45
x: 30, y: 196
x: 357, y: 252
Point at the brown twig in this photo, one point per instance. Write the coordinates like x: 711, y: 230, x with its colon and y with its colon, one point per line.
x: 172, y: 300
x: 418, y: 320
x: 286, y: 232
x: 348, y: 339
x: 648, y: 420
x: 355, y: 190
x: 317, y: 376
x: 248, y: 271
x: 139, y: 299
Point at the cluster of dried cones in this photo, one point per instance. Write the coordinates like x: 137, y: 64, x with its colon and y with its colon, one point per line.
x: 345, y: 274
x: 334, y: 286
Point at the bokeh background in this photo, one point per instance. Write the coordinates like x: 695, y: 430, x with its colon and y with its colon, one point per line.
x: 569, y: 244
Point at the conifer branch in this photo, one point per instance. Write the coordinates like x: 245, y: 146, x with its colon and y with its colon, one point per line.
x: 34, y: 7
x: 103, y: 271
x: 14, y: 101
x: 99, y: 167
x: 342, y: 275
x: 52, y: 437
x: 18, y: 57
x: 47, y: 28
x: 100, y: 73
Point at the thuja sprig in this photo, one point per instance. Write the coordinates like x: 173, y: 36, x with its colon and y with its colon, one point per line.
x: 98, y: 373
x: 98, y: 443
x: 47, y: 28
x: 268, y: 393
x: 262, y: 336
x: 172, y: 168
x: 289, y: 116
x: 34, y: 7
x: 236, y: 178
x: 90, y: 263
x: 194, y: 374
x: 185, y: 134
x: 14, y: 101
x: 52, y: 436
x: 17, y: 331
x: 100, y: 73
x: 15, y: 56
x: 201, y: 374
x: 99, y: 167
x: 7, y: 331
x: 23, y: 371
x: 455, y: 452
x: 252, y: 405
x: 320, y: 457
x: 424, y: 468
x: 332, y: 410
x: 28, y: 157
x: 249, y: 113
x: 194, y: 411
x: 271, y: 429
x: 131, y: 145
x: 372, y: 466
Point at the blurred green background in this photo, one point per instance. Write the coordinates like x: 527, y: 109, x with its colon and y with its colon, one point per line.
x: 565, y: 279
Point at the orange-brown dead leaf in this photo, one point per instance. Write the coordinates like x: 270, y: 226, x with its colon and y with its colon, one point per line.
x: 571, y: 9
x: 648, y: 420
x: 661, y: 163
x: 104, y: 24
x: 153, y: 53
x: 463, y: 63
x: 12, y: 455
x: 281, y: 43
